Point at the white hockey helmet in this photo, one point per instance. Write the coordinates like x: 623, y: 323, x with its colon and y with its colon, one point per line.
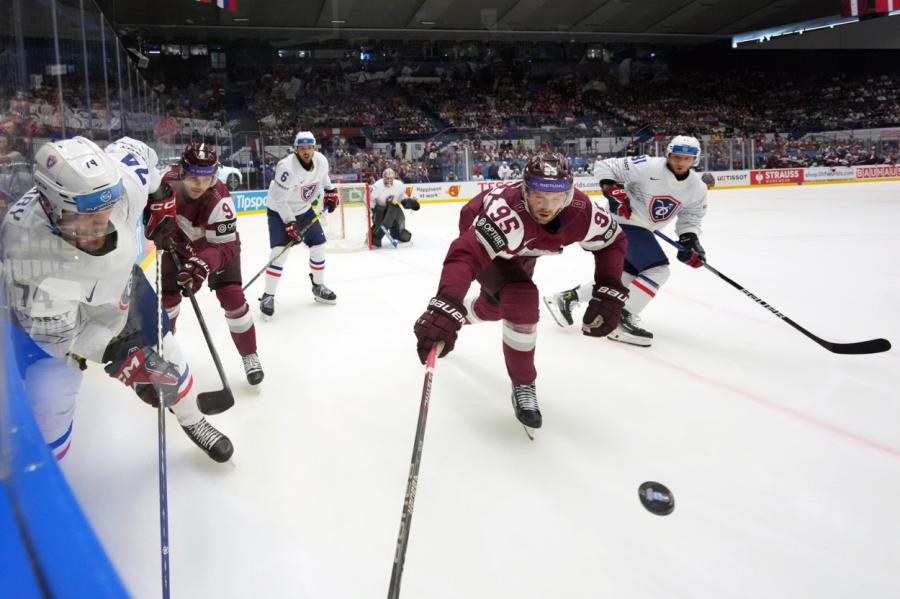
x: 304, y: 138
x: 75, y: 175
x: 684, y: 144
x: 389, y: 174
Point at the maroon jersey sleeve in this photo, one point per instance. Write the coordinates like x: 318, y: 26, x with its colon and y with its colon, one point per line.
x: 599, y: 234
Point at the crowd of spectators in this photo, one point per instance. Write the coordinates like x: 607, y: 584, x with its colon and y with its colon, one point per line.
x: 476, y: 105
x: 500, y: 103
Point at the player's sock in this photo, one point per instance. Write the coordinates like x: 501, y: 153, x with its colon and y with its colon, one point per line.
x: 274, y: 271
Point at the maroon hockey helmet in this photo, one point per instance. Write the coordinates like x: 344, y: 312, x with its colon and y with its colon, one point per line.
x: 200, y: 160
x: 549, y: 171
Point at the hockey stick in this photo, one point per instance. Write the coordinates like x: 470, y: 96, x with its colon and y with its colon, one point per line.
x: 388, y: 235
x: 412, y: 482
x: 209, y: 402
x: 288, y: 246
x: 872, y: 346
x: 161, y: 438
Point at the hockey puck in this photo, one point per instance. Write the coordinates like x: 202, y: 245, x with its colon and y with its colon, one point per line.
x: 656, y: 498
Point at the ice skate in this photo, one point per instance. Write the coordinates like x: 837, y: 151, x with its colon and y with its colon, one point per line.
x: 267, y: 305
x: 561, y: 304
x: 253, y: 369
x: 630, y: 332
x: 525, y: 403
x: 321, y: 293
x: 209, y: 439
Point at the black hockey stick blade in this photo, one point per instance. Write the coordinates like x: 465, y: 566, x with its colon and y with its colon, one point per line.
x: 215, y: 402
x: 872, y: 346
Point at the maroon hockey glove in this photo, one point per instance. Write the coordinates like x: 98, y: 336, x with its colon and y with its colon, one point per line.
x: 159, y: 215
x: 331, y: 200
x: 603, y: 311
x: 440, y: 322
x: 148, y: 374
x: 692, y: 253
x: 192, y: 274
x: 293, y: 231
x: 618, y: 199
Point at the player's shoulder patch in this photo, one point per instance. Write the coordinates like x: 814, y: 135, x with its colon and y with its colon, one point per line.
x: 499, y: 227
x: 602, y: 228
x: 490, y: 235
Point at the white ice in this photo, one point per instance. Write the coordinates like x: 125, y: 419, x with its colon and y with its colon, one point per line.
x: 784, y: 459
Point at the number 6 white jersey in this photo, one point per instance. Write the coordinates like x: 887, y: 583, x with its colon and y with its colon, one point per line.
x: 294, y: 188
x: 655, y: 194
x: 66, y: 299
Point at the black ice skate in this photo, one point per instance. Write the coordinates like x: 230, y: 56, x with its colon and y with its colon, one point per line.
x: 321, y: 293
x: 206, y: 437
x: 253, y: 369
x: 267, y: 304
x: 525, y: 403
x: 561, y: 304
x: 628, y: 331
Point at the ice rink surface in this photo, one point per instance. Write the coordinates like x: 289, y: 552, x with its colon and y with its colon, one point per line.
x: 784, y: 459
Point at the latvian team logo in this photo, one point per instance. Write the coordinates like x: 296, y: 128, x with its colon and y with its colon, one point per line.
x: 663, y: 208
x: 308, y: 192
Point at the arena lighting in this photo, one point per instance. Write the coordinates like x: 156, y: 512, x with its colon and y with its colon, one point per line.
x: 764, y: 35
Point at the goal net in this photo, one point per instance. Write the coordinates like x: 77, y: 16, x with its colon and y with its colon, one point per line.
x: 349, y: 227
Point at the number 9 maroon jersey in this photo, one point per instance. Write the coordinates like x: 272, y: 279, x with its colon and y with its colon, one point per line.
x: 208, y: 224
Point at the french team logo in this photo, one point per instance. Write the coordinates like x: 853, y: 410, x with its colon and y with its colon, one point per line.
x: 663, y: 207
x: 308, y: 192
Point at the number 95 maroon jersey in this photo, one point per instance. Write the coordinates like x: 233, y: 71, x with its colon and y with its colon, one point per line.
x: 505, y: 228
x: 495, y: 224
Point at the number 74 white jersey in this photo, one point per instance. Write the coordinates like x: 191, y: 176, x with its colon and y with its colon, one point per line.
x: 655, y: 194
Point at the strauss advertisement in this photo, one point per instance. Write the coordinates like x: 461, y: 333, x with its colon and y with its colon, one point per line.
x: 776, y: 176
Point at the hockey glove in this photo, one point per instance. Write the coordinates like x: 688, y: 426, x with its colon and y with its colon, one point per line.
x: 692, y: 253
x: 603, y: 311
x: 293, y: 231
x: 410, y: 203
x: 708, y: 180
x: 331, y: 200
x: 159, y: 215
x: 440, y: 322
x: 192, y: 274
x: 148, y: 374
x: 618, y: 199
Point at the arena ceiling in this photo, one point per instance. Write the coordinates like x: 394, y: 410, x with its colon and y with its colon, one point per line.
x: 297, y: 21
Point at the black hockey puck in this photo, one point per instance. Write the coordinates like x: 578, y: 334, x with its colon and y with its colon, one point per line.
x: 657, y: 498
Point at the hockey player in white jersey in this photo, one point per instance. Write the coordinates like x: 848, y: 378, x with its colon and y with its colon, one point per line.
x: 388, y: 199
x: 300, y: 178
x: 646, y: 194
x: 73, y: 289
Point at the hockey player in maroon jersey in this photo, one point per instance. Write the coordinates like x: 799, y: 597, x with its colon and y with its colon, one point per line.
x: 502, y: 233
x: 208, y: 246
